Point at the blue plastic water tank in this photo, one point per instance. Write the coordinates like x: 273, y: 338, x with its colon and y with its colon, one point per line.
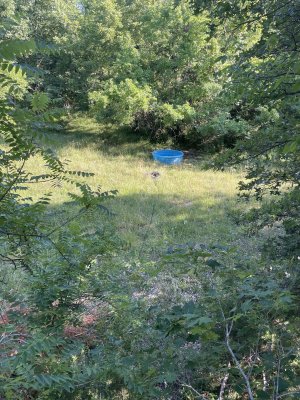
x: 168, y: 156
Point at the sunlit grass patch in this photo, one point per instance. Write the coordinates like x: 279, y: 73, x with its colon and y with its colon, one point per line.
x: 184, y: 203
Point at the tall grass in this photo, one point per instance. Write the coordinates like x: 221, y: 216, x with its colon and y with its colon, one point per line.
x: 183, y: 204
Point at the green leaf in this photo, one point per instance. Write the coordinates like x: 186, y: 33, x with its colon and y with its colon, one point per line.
x: 296, y: 68
x: 246, y: 306
x: 296, y: 87
x: 291, y: 147
x: 195, y: 321
x: 278, y: 82
x: 283, y: 384
x: 39, y: 101
x: 261, y: 394
x: 213, y: 263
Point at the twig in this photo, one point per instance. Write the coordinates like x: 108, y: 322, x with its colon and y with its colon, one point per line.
x: 228, y: 329
x: 265, y: 381
x: 277, y: 379
x: 13, y: 182
x: 11, y: 260
x: 287, y: 394
x: 81, y: 211
x: 261, y: 15
x: 194, y: 390
x: 223, y: 385
x: 249, y: 390
x: 59, y: 251
x: 262, y: 152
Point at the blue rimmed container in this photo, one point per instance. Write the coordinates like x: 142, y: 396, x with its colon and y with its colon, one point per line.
x: 170, y: 157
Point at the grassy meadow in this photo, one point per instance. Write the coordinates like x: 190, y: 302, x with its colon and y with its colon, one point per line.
x: 183, y: 204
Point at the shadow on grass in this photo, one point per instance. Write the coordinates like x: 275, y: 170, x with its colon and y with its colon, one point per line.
x: 158, y: 219
x: 149, y: 223
x: 110, y: 139
x: 144, y: 225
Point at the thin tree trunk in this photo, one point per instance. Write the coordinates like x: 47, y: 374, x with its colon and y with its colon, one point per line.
x: 223, y: 386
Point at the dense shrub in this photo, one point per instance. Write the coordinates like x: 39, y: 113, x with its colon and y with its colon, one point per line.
x: 154, y: 66
x: 46, y: 265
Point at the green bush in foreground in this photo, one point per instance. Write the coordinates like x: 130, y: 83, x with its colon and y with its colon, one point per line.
x: 45, y: 263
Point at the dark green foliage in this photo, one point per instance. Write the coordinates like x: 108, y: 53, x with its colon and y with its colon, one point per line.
x: 53, y: 262
x: 266, y: 81
x: 243, y: 313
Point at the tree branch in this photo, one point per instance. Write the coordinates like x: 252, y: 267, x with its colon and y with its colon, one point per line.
x: 223, y: 385
x: 288, y: 394
x: 228, y: 329
x: 194, y: 390
x: 238, y: 365
x: 13, y: 182
x: 261, y: 15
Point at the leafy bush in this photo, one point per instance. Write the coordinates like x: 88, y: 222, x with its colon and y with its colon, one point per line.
x: 237, y: 330
x: 44, y: 261
x: 268, y: 84
x: 118, y: 103
x: 151, y: 62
